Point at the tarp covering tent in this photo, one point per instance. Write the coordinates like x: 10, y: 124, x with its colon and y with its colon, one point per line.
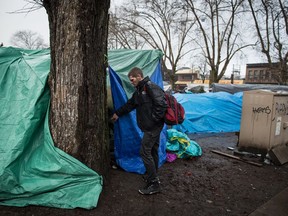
x: 127, y: 135
x: 232, y: 88
x: 210, y: 112
x: 32, y: 170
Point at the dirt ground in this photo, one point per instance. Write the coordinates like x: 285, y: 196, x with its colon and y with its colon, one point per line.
x: 211, y: 185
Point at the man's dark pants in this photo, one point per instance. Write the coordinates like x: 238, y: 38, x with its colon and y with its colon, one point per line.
x: 149, y: 152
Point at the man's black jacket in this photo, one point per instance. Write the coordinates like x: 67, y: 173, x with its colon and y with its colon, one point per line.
x: 150, y: 103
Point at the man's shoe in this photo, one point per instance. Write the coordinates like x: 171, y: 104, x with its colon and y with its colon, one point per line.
x: 145, y: 179
x: 151, y: 188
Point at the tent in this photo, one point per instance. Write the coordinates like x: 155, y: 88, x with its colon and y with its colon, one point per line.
x: 210, y: 112
x: 127, y: 136
x: 32, y: 170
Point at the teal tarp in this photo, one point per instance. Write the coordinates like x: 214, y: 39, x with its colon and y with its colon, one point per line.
x: 180, y: 144
x: 32, y: 170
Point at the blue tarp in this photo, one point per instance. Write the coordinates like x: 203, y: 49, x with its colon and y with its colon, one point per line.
x: 127, y: 135
x: 205, y: 113
x: 210, y: 112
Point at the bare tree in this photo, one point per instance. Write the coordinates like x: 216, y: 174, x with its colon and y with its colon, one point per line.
x: 77, y: 80
x: 122, y: 35
x: 217, y: 32
x: 159, y: 24
x: 271, y: 24
x: 202, y: 65
x: 28, y: 40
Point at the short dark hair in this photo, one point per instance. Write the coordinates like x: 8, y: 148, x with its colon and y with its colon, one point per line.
x: 134, y: 72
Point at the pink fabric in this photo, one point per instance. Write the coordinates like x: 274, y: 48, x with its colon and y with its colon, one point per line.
x: 170, y: 157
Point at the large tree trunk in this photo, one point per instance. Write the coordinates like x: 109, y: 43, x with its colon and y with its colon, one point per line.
x: 78, y: 114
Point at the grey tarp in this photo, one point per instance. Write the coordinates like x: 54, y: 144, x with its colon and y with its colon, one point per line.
x: 233, y: 88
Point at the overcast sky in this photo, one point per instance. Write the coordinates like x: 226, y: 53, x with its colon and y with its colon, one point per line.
x: 37, y: 21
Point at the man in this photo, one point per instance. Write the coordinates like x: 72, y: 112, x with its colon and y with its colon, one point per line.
x: 150, y: 104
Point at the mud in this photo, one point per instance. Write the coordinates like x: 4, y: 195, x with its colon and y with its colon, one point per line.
x: 209, y: 185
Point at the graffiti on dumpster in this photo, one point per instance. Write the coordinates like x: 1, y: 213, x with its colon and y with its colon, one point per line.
x: 266, y: 110
x: 281, y: 108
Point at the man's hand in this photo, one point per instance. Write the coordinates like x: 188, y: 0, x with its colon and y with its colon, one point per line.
x: 114, y: 117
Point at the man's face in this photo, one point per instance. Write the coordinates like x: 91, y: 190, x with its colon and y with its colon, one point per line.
x: 135, y: 80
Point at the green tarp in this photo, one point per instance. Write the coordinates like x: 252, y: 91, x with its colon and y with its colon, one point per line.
x: 123, y: 60
x: 32, y: 170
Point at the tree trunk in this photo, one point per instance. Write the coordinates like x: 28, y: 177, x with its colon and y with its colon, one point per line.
x: 213, y: 76
x: 78, y: 112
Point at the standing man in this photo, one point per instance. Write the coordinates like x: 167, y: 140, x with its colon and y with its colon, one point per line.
x: 150, y: 104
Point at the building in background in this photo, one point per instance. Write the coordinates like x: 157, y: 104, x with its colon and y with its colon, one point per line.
x: 261, y: 73
x: 186, y: 76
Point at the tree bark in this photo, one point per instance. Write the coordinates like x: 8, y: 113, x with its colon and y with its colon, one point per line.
x: 78, y: 112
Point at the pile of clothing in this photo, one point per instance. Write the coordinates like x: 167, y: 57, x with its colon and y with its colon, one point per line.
x: 179, y: 145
